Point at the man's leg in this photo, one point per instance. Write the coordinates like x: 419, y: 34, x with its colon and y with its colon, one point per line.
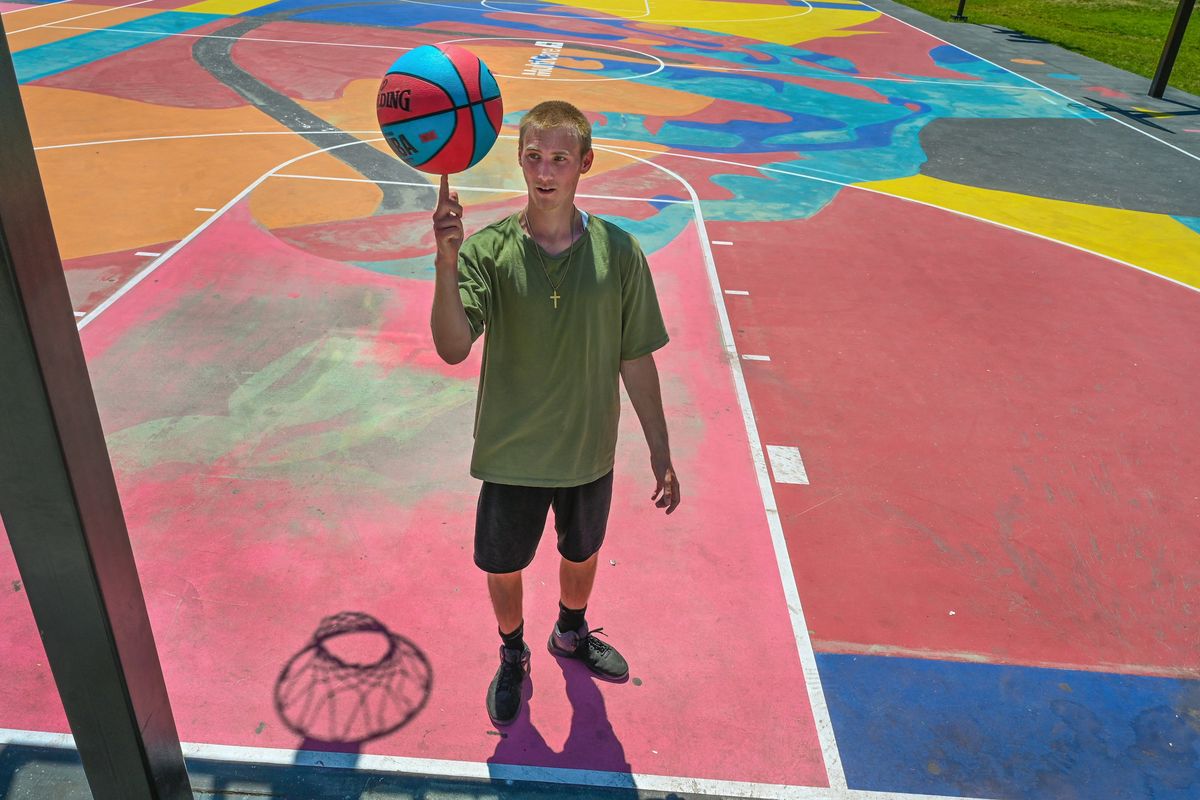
x: 575, y: 581
x: 507, y: 592
x: 581, y: 519
x: 508, y: 524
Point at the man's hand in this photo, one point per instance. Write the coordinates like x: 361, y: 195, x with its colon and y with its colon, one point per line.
x: 666, y: 490
x: 447, y: 225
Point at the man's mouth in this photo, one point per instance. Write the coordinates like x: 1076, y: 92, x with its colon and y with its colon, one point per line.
x: 544, y: 190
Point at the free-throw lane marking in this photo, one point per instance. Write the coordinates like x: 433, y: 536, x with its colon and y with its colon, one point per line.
x: 787, y: 465
x: 737, y: 292
x: 756, y: 358
x: 723, y: 244
x: 147, y: 253
x: 205, y: 210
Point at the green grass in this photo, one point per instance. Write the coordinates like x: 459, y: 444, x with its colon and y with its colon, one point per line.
x: 1125, y: 33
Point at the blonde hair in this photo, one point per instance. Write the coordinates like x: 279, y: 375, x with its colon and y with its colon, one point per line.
x: 551, y: 114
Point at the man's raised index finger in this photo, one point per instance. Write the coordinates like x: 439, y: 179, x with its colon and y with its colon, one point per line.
x: 444, y: 191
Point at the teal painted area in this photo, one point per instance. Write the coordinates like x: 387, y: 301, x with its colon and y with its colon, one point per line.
x: 55, y: 57
x: 1191, y: 222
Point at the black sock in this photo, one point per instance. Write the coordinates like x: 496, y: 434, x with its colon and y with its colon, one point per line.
x: 570, y: 619
x: 516, y: 639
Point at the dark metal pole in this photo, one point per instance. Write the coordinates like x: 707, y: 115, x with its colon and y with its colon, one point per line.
x: 960, y: 16
x: 59, y: 504
x: 1171, y: 48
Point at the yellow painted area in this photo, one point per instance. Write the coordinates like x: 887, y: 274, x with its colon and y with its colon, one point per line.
x: 1150, y: 112
x: 1155, y: 242
x: 768, y: 23
x: 39, y: 36
x: 105, y: 198
x: 229, y: 7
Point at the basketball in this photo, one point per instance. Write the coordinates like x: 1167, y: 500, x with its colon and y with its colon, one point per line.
x: 439, y: 108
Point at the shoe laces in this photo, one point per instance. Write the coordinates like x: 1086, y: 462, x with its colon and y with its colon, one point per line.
x: 511, y: 674
x: 594, y: 643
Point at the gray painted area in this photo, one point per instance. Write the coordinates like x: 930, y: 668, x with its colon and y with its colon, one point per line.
x: 1112, y: 91
x: 1083, y: 161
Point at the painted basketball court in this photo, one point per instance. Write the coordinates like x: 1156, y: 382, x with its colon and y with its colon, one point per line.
x: 935, y: 422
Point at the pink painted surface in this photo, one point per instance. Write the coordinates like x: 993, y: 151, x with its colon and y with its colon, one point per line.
x: 288, y: 447
x: 993, y: 425
x: 5, y: 7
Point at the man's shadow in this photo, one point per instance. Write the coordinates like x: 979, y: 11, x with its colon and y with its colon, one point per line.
x: 591, y: 744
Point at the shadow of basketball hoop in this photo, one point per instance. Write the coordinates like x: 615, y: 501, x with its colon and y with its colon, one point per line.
x: 354, y: 681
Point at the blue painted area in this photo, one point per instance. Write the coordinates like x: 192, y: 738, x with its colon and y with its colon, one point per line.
x: 1191, y: 222
x: 949, y: 54
x: 1063, y: 76
x: 984, y: 730
x: 55, y: 57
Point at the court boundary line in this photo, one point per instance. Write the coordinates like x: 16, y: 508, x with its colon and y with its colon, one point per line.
x: 822, y: 721
x: 218, y: 36
x: 479, y: 770
x: 175, y: 248
x: 482, y: 189
x: 32, y: 6
x: 196, y: 136
x: 81, y: 16
x: 1032, y: 81
x: 817, y: 75
x: 966, y: 214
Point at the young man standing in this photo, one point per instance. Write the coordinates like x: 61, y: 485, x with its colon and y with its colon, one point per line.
x: 567, y: 304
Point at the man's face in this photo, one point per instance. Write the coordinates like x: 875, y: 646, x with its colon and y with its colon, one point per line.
x: 552, y: 165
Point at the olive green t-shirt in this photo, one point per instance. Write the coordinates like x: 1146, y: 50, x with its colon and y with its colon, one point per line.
x: 549, y: 399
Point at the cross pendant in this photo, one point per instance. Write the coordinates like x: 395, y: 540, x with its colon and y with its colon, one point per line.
x: 555, y: 297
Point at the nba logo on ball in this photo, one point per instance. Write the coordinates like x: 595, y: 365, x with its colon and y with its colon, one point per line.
x: 439, y: 108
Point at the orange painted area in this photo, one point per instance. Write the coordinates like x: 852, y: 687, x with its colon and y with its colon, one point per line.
x: 288, y: 202
x: 111, y: 197
x: 25, y: 34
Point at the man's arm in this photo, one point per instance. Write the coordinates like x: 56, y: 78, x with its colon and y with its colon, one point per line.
x: 448, y: 320
x: 640, y: 376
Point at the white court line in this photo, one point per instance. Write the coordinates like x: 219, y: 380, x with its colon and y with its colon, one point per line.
x: 197, y: 136
x: 31, y: 7
x: 146, y: 253
x: 1042, y: 86
x: 80, y: 314
x: 620, y: 14
x: 470, y: 770
x: 483, y: 189
x: 756, y: 358
x: 204, y: 210
x: 808, y: 660
x: 738, y: 292
x: 820, y: 711
x: 787, y: 465
x: 964, y: 214
x: 722, y: 243
x: 218, y: 36
x: 156, y: 263
x: 81, y: 16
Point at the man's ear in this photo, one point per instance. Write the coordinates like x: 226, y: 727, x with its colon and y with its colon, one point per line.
x: 586, y: 163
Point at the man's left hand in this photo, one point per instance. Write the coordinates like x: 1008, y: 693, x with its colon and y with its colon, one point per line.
x: 666, y: 490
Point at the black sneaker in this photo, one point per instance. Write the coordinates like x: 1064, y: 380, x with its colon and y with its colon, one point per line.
x: 504, y: 695
x: 582, y: 645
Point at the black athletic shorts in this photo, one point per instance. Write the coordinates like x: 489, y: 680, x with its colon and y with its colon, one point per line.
x: 510, y: 519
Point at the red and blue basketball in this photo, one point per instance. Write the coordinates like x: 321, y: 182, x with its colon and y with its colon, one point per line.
x: 439, y: 108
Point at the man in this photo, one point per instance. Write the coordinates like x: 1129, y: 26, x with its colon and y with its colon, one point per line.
x: 566, y: 303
